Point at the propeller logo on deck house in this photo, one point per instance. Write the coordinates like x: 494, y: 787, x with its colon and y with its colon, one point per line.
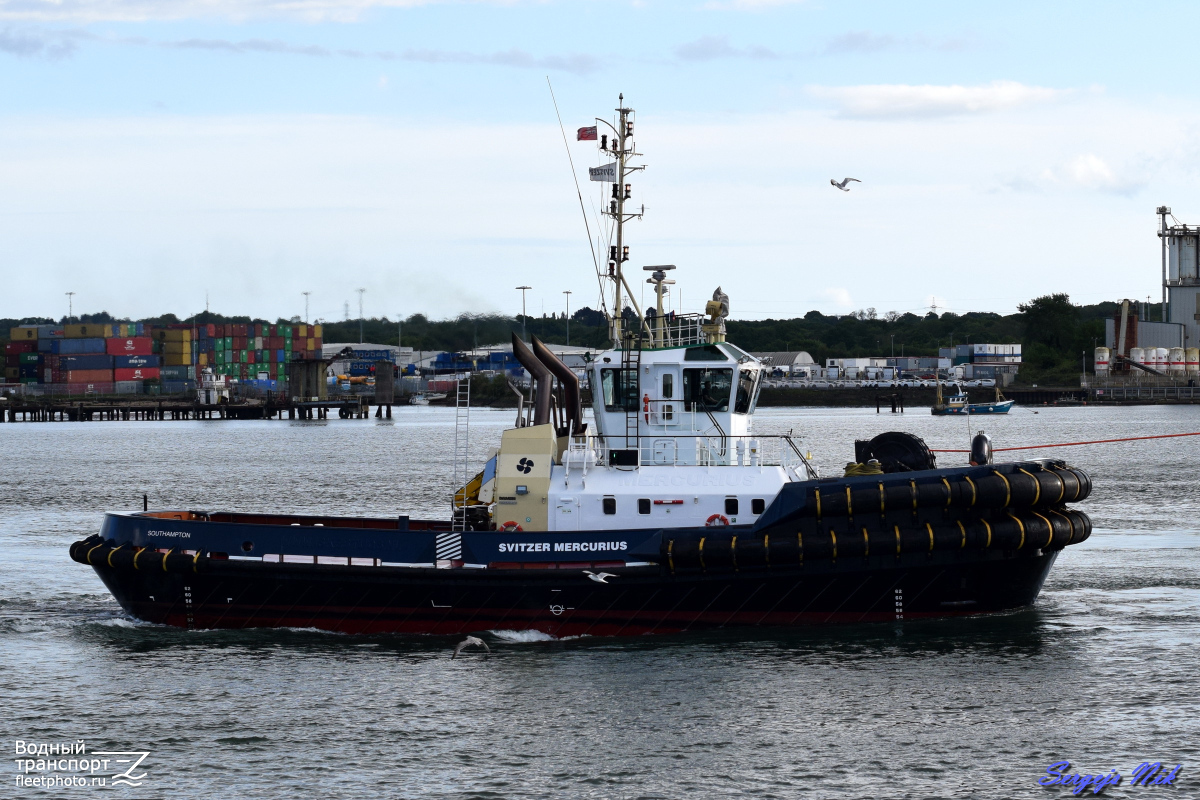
x: 50, y: 765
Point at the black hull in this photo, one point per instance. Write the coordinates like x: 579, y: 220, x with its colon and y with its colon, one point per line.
x: 566, y: 602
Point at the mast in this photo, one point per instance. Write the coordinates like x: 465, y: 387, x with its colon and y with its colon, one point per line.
x: 622, y: 148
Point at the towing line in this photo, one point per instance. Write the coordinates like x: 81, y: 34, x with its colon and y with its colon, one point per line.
x: 1074, y: 444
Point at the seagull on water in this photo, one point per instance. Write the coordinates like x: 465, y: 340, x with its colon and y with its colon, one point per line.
x: 842, y: 185
x: 600, y: 577
x: 471, y: 641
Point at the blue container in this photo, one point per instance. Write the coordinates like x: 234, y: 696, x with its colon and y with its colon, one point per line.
x: 76, y: 346
x: 177, y: 387
x: 46, y: 345
x: 95, y: 361
x: 28, y: 371
x: 135, y: 362
x: 280, y: 356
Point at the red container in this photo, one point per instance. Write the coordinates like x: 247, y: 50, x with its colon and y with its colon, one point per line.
x: 239, y: 330
x: 211, y: 330
x: 16, y: 348
x: 135, y: 373
x: 134, y: 346
x: 89, y: 376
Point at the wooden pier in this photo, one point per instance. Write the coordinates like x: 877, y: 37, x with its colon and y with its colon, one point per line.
x: 99, y: 409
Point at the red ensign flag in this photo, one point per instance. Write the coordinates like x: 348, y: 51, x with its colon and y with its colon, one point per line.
x: 586, y: 134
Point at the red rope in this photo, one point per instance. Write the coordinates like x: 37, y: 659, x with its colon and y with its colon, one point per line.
x: 1073, y: 444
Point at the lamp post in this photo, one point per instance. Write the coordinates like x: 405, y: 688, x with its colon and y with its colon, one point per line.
x: 893, y: 337
x: 70, y: 304
x: 568, y: 294
x: 360, y: 314
x: 523, y: 289
x: 306, y: 294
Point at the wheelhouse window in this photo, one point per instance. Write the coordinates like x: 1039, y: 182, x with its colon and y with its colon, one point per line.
x: 758, y: 505
x: 668, y: 386
x: 746, y: 387
x: 620, y: 390
x: 644, y: 505
x: 707, y: 389
x: 610, y: 505
x: 731, y: 506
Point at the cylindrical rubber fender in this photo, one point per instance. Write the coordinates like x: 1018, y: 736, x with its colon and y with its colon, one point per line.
x: 1085, y: 485
x: 1024, y: 489
x: 783, y: 549
x: 1082, y: 525
x: 820, y: 544
x: 96, y: 553
x: 175, y: 561
x: 121, y: 557
x: 1063, y: 529
x: 1008, y: 532
x: 916, y: 538
x: 686, y: 551
x: 80, y: 549
x: 949, y: 536
x: 1073, y: 487
x: 749, y: 550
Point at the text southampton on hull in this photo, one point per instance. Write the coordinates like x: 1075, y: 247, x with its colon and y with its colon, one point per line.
x: 695, y: 520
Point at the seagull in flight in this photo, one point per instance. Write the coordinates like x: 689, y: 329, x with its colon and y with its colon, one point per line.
x: 471, y: 641
x: 599, y: 577
x: 842, y: 185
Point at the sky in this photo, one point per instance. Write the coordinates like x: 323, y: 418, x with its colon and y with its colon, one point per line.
x: 156, y: 155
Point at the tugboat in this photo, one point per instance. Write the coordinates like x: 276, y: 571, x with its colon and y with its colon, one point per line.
x: 665, y: 513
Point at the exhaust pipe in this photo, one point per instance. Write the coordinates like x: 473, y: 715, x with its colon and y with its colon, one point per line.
x: 541, y: 380
x: 570, y: 383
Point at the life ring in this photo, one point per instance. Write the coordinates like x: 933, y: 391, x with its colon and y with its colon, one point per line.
x: 717, y: 519
x: 511, y: 526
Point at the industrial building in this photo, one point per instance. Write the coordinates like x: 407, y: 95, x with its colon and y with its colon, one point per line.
x: 1139, y: 350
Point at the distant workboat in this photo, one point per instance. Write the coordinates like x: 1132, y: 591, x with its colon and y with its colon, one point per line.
x: 425, y: 398
x: 958, y: 403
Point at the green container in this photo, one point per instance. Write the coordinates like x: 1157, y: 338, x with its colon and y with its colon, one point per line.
x: 30, y: 358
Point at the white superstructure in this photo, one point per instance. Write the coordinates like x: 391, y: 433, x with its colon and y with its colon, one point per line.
x: 672, y: 443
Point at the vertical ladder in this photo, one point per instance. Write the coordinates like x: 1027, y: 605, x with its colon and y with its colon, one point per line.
x: 462, y: 463
x: 631, y: 373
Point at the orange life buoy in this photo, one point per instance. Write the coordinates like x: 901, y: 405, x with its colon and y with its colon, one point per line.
x: 511, y: 526
x: 717, y: 519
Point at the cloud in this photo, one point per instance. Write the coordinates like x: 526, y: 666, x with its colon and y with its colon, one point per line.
x: 708, y: 48
x: 867, y: 42
x: 578, y: 63
x: 839, y: 296
x: 1088, y: 171
x: 146, y: 10
x: 37, y: 44
x: 885, y: 101
x: 30, y: 44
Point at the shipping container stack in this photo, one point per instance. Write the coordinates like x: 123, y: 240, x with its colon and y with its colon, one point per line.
x: 133, y: 358
x: 241, y: 351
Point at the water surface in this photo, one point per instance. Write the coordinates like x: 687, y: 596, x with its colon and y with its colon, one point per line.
x: 1102, y: 672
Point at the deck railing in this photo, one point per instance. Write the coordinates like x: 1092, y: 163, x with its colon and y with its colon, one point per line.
x: 689, y: 450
